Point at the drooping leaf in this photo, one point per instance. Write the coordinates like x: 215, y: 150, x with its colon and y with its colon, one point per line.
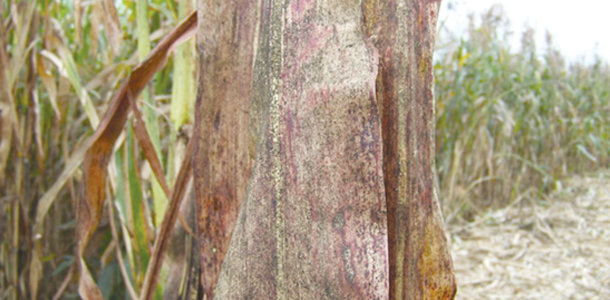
x: 75, y: 80
x: 169, y: 219
x: 159, y: 193
x: 148, y: 148
x: 97, y: 157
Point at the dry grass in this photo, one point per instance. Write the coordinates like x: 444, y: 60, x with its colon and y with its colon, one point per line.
x: 561, y: 251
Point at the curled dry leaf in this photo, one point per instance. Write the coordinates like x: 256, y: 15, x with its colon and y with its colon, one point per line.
x: 96, y: 159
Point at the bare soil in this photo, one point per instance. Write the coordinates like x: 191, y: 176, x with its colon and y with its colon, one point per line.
x: 554, y: 249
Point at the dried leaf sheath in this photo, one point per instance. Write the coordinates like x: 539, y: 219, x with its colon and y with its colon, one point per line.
x: 221, y: 164
x: 404, y: 33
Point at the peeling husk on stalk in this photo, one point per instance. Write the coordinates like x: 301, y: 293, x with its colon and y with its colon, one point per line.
x: 420, y: 261
x: 221, y: 163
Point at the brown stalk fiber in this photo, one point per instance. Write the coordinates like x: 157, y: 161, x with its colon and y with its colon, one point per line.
x: 404, y: 33
x: 221, y: 164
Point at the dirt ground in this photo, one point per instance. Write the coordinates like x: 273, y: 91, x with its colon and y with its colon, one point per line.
x: 557, y: 250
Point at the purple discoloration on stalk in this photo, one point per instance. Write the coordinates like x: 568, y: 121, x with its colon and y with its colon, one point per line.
x: 314, y: 216
x: 300, y: 9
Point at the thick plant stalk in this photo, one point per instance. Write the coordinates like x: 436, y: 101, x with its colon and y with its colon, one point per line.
x: 313, y: 223
x: 221, y: 164
x: 333, y: 82
x: 404, y: 32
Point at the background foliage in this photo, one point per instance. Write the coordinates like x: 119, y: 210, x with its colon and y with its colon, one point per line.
x: 62, y: 63
x: 511, y: 124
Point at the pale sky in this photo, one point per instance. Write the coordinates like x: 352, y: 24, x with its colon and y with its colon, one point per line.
x: 579, y: 28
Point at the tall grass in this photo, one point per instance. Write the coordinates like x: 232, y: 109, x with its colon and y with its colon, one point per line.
x: 512, y: 124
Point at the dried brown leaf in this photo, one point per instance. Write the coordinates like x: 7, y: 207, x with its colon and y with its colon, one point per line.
x: 96, y: 159
x: 151, y: 156
x: 169, y: 219
x: 147, y: 146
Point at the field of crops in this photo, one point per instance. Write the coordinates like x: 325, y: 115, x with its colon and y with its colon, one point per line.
x: 512, y: 123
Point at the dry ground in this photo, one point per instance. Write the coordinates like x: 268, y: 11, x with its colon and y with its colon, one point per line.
x: 557, y: 251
